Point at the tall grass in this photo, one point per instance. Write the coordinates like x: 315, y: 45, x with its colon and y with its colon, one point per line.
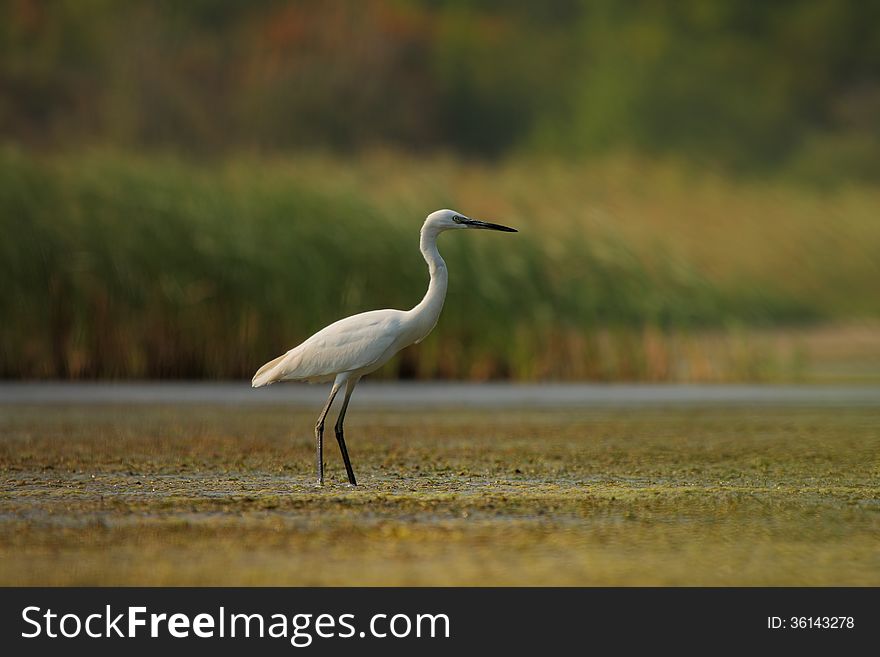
x: 117, y: 266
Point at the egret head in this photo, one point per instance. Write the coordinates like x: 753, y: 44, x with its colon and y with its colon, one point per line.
x: 451, y: 220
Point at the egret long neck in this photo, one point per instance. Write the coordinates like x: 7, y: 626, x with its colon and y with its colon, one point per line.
x: 427, y: 312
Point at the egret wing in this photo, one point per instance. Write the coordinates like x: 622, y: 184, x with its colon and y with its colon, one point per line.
x: 351, y: 344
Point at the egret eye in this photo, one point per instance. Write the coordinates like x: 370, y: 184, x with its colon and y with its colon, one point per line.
x: 458, y: 219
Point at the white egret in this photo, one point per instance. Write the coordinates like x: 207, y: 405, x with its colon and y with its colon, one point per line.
x: 352, y: 347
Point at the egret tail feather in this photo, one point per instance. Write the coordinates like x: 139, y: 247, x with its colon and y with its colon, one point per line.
x: 267, y: 374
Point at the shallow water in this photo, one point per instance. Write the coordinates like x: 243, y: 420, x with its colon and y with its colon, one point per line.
x: 545, y: 395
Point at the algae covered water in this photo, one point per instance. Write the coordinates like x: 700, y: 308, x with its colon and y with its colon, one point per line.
x: 726, y: 490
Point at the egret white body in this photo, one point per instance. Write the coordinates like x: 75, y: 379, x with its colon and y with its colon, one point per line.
x: 352, y: 347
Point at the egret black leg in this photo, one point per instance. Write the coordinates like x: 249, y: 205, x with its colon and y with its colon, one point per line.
x: 340, y: 436
x: 319, y: 433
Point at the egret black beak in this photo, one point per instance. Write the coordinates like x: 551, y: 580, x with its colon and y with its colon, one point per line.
x: 485, y: 225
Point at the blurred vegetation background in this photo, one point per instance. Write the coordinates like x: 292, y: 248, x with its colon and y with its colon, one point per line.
x: 187, y: 189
